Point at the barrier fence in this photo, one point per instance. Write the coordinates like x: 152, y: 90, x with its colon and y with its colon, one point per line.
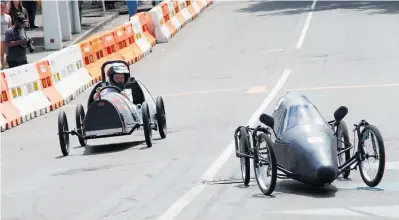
x: 34, y: 89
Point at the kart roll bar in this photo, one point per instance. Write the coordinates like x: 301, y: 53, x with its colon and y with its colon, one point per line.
x: 111, y: 62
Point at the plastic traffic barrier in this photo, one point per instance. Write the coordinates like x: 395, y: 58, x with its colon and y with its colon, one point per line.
x: 10, y: 116
x: 124, y: 37
x: 26, y: 91
x: 69, y: 75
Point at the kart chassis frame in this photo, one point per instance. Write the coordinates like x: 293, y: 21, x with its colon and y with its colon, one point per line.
x: 87, y: 137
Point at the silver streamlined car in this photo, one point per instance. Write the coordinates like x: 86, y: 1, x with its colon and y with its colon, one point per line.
x: 302, y: 145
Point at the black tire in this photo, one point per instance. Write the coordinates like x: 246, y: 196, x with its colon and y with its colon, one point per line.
x: 161, y: 117
x: 266, y: 190
x: 80, y: 116
x: 343, y: 135
x: 243, y: 144
x: 64, y: 138
x: 381, y: 151
x: 147, y: 124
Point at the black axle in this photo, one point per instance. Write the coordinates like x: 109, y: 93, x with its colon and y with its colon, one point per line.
x: 85, y: 137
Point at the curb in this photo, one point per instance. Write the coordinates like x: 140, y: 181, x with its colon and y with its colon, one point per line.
x: 94, y: 29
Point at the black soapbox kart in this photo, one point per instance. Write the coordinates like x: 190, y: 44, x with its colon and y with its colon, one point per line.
x: 113, y: 114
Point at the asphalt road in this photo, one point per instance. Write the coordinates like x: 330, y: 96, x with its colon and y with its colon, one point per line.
x: 219, y: 72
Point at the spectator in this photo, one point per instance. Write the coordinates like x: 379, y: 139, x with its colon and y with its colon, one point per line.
x: 15, y: 6
x: 17, y: 41
x: 5, y: 24
x: 31, y: 8
x: 80, y: 3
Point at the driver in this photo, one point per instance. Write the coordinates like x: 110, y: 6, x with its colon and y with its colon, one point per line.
x: 118, y: 75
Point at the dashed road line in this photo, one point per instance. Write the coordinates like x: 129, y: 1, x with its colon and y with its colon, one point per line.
x: 306, y: 26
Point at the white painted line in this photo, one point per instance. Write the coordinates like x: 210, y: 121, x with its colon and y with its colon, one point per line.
x: 183, y: 201
x: 306, y: 26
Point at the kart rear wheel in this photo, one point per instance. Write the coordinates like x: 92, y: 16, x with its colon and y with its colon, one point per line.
x: 63, y: 137
x: 377, y: 152
x: 161, y: 117
x: 270, y: 162
x: 80, y: 116
x: 147, y: 124
x: 343, y: 143
x: 243, y: 144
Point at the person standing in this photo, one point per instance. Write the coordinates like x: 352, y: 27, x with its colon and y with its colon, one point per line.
x: 31, y: 8
x: 80, y: 3
x: 17, y: 42
x: 15, y: 6
x: 5, y: 24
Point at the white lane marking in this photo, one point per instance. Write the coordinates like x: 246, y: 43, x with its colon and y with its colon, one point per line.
x: 183, y: 201
x: 306, y: 26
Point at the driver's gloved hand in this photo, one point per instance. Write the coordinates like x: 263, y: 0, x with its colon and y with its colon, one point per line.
x: 131, y: 80
x: 96, y: 95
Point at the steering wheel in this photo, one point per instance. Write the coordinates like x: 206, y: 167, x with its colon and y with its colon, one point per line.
x: 110, y: 87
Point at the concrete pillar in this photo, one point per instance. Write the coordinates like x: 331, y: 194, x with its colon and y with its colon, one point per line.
x: 51, y: 25
x: 66, y: 31
x: 103, y: 4
x: 75, y: 19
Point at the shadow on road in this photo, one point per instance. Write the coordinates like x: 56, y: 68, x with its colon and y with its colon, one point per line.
x: 297, y: 188
x: 110, y: 148
x: 283, y: 187
x: 298, y: 7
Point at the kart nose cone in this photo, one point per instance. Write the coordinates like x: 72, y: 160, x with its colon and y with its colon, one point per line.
x: 326, y: 174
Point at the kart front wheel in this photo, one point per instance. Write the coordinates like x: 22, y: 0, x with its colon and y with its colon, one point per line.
x: 80, y: 116
x: 372, y: 150
x: 147, y: 124
x: 265, y: 164
x: 63, y: 134
x: 161, y: 117
x: 243, y: 144
x: 343, y: 144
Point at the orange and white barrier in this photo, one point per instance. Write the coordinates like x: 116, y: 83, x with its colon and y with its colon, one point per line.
x: 10, y: 116
x: 182, y: 9
x: 170, y: 16
x: 144, y: 41
x: 162, y: 29
x: 26, y: 89
x: 70, y: 78
x: 34, y: 89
